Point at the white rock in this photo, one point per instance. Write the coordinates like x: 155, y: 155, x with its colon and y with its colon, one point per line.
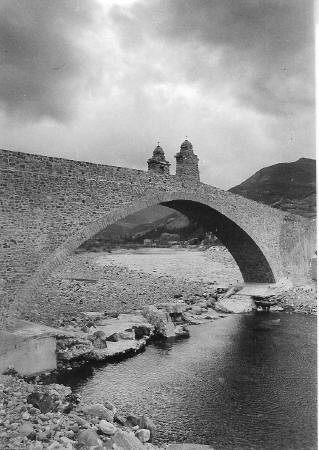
x: 143, y: 435
x: 106, y: 427
x: 235, y: 304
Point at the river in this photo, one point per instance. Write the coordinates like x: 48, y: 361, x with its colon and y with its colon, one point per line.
x: 232, y: 384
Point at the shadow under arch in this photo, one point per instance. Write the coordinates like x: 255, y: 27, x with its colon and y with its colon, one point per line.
x: 217, y: 217
x: 250, y: 259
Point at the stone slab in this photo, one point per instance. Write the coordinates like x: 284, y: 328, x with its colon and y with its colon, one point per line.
x: 29, y: 347
x: 121, y: 323
x: 28, y: 356
x: 236, y: 304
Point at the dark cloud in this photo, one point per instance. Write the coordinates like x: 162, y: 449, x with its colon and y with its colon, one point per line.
x: 42, y: 60
x: 264, y: 48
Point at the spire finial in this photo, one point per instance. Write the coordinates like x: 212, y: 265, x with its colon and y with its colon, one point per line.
x: 158, y: 143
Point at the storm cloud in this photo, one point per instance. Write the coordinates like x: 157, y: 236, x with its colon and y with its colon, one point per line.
x: 103, y: 81
x: 43, y: 62
x: 263, y: 49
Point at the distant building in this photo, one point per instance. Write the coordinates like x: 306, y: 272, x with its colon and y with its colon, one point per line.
x: 187, y: 162
x: 157, y: 163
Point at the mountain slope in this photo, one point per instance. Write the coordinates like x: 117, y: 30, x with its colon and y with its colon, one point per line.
x: 148, y: 223
x: 287, y: 186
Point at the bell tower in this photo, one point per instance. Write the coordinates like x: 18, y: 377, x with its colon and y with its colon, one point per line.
x: 187, y: 162
x: 157, y: 163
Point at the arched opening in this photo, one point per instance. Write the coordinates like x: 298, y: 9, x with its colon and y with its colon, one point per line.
x: 247, y: 254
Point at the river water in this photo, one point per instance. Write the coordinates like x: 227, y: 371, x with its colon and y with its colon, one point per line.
x: 233, y: 384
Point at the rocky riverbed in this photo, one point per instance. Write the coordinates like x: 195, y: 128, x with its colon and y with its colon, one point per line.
x: 122, y: 283
x: 35, y: 417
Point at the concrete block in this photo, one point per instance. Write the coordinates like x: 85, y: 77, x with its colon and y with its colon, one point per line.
x: 28, y: 356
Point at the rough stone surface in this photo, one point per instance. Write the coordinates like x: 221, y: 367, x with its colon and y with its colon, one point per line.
x: 235, y: 304
x: 99, y: 411
x: 127, y: 441
x: 143, y: 435
x: 89, y: 438
x: 50, y: 206
x: 107, y: 428
x: 161, y: 320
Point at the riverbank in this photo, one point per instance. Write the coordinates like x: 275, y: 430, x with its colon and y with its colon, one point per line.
x: 40, y: 416
x: 123, y: 283
x: 194, y: 390
x: 36, y: 417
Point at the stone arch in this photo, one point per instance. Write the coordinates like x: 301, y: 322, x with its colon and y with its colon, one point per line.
x: 255, y: 260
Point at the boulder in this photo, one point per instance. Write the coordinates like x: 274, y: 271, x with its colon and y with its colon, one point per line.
x: 235, y: 304
x: 106, y: 427
x: 89, y: 438
x: 99, y: 411
x: 160, y: 319
x: 265, y: 303
x: 110, y: 406
x: 132, y: 421
x: 146, y: 423
x: 115, y: 337
x: 98, y: 339
x: 126, y: 441
x: 181, y: 331
x: 126, y: 335
x: 143, y: 435
x: 119, y: 419
x: 141, y: 331
x: 44, y: 402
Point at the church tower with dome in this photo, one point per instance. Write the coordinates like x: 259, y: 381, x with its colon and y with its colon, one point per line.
x: 157, y: 163
x: 187, y: 162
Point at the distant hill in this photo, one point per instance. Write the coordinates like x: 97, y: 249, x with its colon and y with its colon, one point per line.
x: 287, y: 186
x: 150, y: 223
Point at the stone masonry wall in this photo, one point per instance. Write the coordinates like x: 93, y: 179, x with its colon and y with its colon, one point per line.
x: 49, y: 206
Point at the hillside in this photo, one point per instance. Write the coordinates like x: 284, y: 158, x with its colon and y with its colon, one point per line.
x: 287, y: 186
x: 150, y: 223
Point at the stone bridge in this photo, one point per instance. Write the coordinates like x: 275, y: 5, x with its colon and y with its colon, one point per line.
x: 50, y: 206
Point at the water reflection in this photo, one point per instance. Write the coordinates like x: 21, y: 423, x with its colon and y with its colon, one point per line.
x: 232, y: 384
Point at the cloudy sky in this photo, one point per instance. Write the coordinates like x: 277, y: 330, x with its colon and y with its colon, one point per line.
x: 104, y: 80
